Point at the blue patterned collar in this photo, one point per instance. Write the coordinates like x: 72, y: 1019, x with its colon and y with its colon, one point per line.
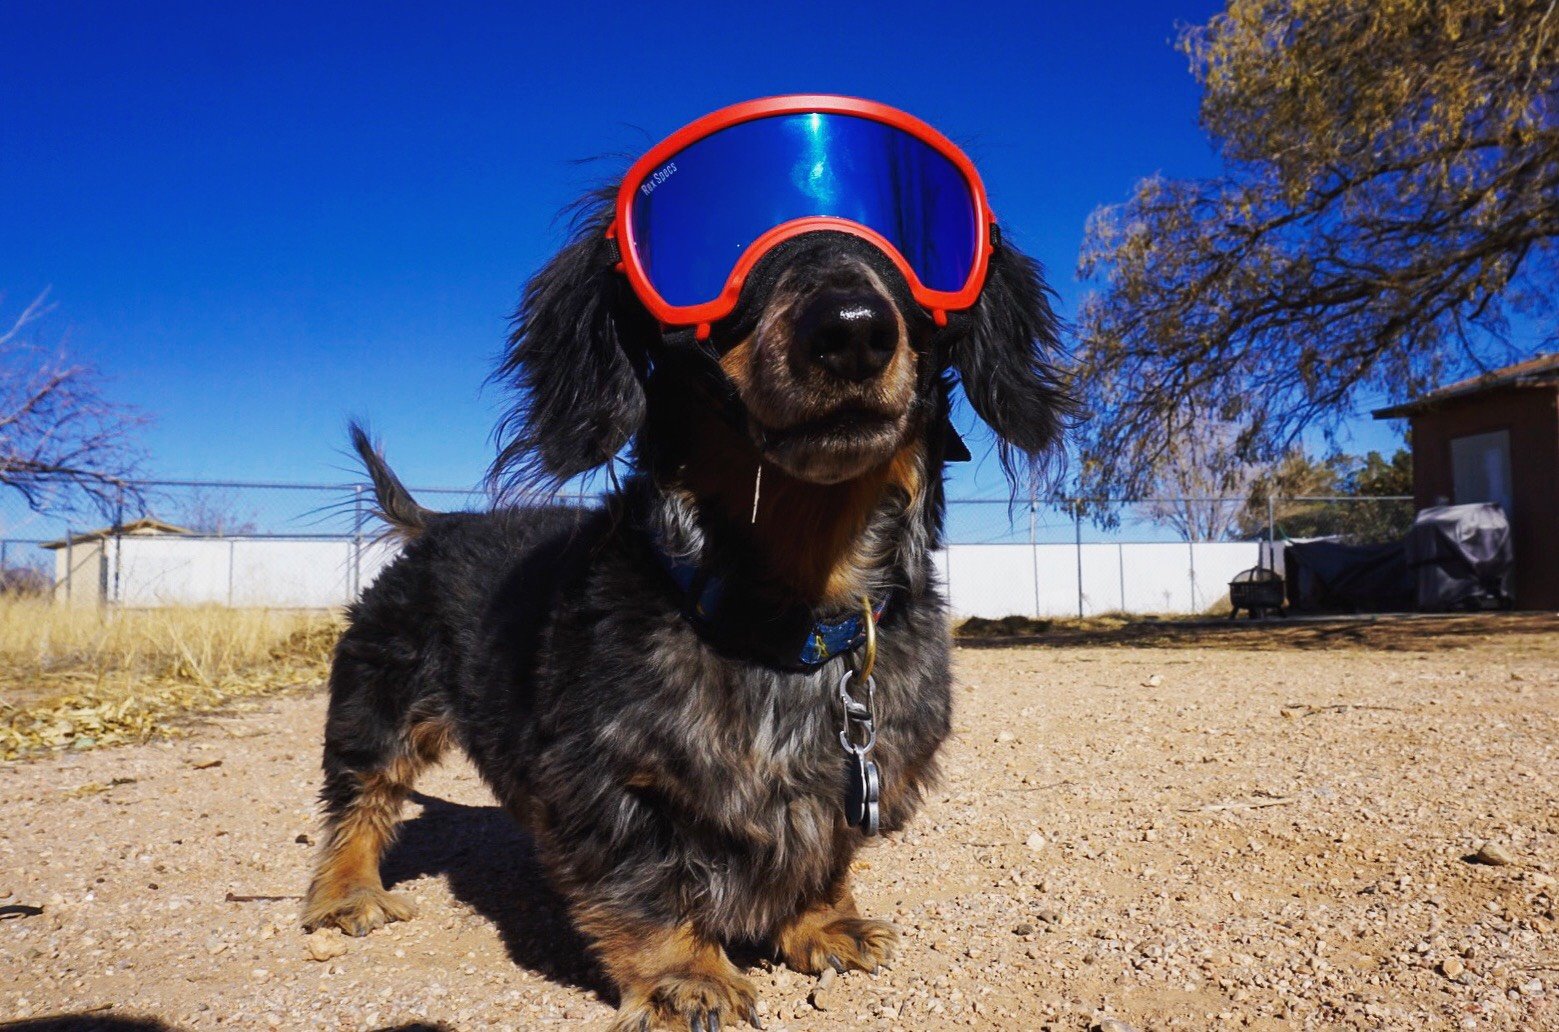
x: 703, y: 594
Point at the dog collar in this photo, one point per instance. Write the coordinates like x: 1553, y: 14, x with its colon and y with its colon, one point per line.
x: 703, y: 602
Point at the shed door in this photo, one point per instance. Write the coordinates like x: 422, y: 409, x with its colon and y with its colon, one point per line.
x: 1480, y: 468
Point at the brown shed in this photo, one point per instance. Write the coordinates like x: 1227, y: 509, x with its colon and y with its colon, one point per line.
x: 1495, y: 438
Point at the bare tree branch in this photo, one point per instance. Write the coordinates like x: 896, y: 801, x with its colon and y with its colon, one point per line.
x: 62, y: 442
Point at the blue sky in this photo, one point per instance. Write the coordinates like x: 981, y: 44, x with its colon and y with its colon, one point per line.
x: 261, y: 220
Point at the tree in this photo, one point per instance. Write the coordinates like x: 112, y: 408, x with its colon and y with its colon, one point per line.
x: 1200, y: 486
x: 1332, y: 496
x: 1390, y: 197
x: 62, y: 442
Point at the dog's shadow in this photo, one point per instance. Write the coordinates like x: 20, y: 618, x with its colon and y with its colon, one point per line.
x: 490, y: 864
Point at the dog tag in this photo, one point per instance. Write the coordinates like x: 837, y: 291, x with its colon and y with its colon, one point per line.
x: 862, y: 790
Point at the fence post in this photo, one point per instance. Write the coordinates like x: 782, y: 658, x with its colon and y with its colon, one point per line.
x: 1120, y: 559
x: 1271, y: 533
x: 1077, y: 538
x: 1034, y: 552
x: 119, y: 523
x: 1190, y: 546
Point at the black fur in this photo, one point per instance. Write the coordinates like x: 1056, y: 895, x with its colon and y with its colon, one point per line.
x: 576, y: 362
x: 394, y: 504
x: 1004, y: 355
x: 670, y: 781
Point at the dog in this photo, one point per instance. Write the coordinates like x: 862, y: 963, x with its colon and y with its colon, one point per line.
x: 625, y: 678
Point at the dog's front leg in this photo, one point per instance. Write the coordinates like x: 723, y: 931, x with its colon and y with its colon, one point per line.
x: 830, y: 932
x: 667, y: 974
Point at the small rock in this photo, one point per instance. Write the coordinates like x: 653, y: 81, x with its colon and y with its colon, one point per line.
x: 1493, y: 854
x: 206, y: 764
x: 323, y: 945
x: 823, y: 999
x: 826, y: 979
x: 1035, y: 842
x: 1023, y: 929
x: 304, y: 839
x: 1450, y: 967
x: 1048, y: 916
x: 1153, y: 681
x: 1005, y: 736
x: 1113, y: 1025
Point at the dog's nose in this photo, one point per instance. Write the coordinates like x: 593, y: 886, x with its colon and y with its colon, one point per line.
x: 850, y: 335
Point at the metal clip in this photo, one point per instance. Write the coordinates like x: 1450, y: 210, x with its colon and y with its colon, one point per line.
x: 857, y: 715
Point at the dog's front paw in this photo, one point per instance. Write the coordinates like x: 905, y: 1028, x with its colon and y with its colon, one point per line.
x: 841, y: 942
x: 700, y: 1001
x: 356, y: 911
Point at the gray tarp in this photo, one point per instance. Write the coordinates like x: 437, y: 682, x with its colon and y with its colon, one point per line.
x: 1461, y: 557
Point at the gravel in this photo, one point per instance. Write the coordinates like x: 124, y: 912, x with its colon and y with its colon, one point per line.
x: 1167, y: 839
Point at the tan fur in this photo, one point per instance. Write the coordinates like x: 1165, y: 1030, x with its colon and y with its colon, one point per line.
x: 666, y: 974
x: 811, y: 534
x: 346, y: 890
x: 832, y: 933
x: 781, y: 391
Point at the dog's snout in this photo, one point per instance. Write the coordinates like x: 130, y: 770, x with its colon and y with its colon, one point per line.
x: 851, y: 335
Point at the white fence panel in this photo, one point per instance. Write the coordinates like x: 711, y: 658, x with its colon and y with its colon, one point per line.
x: 267, y: 572
x: 1042, y: 580
x: 990, y: 580
x: 167, y: 571
x: 292, y: 574
x: 982, y: 580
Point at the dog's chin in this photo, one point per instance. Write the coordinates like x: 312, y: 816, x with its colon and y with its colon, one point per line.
x: 833, y: 451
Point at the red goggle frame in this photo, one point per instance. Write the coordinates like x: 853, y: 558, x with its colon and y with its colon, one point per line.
x: 703, y: 315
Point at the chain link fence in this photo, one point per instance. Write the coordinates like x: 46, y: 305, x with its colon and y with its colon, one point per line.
x: 317, y: 545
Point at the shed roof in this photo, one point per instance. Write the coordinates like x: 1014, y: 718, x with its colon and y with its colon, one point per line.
x: 1541, y: 371
x: 144, y: 526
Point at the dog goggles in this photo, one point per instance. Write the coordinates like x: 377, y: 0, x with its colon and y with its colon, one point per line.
x: 696, y: 213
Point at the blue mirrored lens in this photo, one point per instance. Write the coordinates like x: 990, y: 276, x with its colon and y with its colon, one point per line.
x: 697, y: 213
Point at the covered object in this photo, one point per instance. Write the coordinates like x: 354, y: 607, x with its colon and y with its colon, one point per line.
x: 1327, y: 575
x: 1461, y: 556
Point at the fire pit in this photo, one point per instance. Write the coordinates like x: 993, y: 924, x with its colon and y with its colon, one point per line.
x: 1258, y: 591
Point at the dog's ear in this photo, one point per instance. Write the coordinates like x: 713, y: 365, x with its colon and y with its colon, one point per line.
x: 1004, y: 356
x: 576, y: 362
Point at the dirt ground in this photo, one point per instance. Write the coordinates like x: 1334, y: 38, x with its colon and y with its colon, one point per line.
x: 1223, y: 828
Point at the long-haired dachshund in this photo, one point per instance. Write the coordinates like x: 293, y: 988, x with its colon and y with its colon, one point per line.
x: 657, y: 688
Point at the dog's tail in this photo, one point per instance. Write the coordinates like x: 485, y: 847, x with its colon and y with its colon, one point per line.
x: 395, y: 505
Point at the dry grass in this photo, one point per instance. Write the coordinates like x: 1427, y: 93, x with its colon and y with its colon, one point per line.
x: 77, y: 676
